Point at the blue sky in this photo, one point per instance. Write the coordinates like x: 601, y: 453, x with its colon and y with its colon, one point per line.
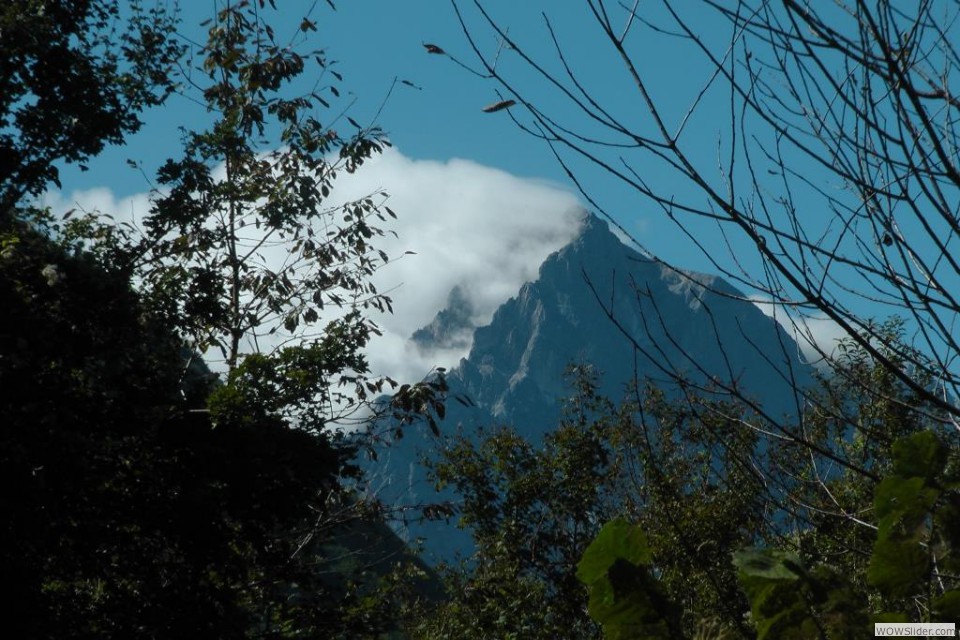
x: 378, y: 43
x: 480, y: 202
x: 374, y: 42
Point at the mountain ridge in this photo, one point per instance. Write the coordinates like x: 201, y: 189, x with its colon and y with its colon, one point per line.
x: 595, y: 301
x: 675, y: 319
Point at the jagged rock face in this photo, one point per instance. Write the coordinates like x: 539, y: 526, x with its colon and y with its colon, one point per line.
x: 452, y: 328
x: 661, y: 323
x: 600, y: 303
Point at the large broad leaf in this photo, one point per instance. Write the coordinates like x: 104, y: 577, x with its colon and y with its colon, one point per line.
x: 617, y: 540
x: 787, y: 601
x: 946, y: 608
x: 627, y: 602
x: 902, y: 504
x: 898, y: 567
x: 624, y: 596
x: 772, y: 579
x: 770, y: 564
x: 919, y: 455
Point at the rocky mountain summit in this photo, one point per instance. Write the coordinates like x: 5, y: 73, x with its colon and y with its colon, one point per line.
x: 452, y: 327
x: 596, y: 302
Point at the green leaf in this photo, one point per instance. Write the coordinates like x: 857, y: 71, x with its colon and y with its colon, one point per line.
x: 618, y: 539
x: 946, y: 608
x: 627, y: 602
x: 624, y: 597
x: 770, y: 564
x: 920, y: 455
x: 902, y: 503
x: 898, y: 567
x: 890, y: 617
x: 779, y: 590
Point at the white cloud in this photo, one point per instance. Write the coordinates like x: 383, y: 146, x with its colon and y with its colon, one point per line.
x: 816, y: 335
x: 129, y: 209
x: 468, y: 224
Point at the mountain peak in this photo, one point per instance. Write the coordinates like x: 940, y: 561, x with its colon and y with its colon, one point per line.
x: 601, y: 303
x: 451, y: 328
x: 595, y: 254
x: 595, y: 235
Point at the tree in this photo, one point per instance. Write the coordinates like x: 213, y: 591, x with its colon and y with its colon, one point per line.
x: 138, y: 499
x: 531, y: 512
x: 534, y: 509
x: 241, y: 251
x: 913, y: 559
x: 717, y: 516
x: 829, y: 189
x: 862, y: 409
x: 143, y: 497
x: 74, y: 77
x: 835, y: 192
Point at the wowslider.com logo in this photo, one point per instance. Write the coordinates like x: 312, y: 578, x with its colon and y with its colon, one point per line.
x: 914, y: 630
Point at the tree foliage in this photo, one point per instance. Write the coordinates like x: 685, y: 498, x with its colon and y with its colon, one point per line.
x: 144, y: 496
x: 734, y: 529
x: 241, y: 245
x: 830, y: 192
x: 913, y: 559
x: 141, y: 497
x: 533, y: 508
x: 74, y: 77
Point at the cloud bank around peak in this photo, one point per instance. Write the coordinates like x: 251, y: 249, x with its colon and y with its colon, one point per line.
x: 468, y: 225
x: 817, y: 336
